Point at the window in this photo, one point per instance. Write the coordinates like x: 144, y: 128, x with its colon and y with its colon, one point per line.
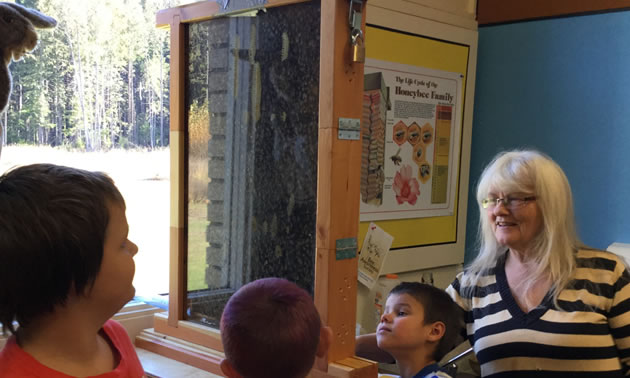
x: 301, y: 126
x: 94, y: 96
x: 252, y: 108
x: 142, y: 176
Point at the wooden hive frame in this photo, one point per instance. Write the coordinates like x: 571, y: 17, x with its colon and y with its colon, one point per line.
x: 338, y: 182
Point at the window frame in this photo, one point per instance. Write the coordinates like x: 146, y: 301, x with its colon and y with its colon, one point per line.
x: 340, y: 95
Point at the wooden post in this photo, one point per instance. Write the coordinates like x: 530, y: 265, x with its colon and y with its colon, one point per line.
x: 177, y: 266
x: 339, y: 174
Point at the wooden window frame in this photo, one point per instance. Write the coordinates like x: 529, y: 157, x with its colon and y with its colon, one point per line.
x: 338, y: 183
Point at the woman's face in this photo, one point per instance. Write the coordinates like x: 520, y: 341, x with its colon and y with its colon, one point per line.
x: 515, y: 228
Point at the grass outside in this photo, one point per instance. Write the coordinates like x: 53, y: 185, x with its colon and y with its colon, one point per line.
x: 197, y: 220
x: 143, y: 177
x: 197, y: 244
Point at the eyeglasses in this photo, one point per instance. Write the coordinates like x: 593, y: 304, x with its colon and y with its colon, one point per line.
x: 509, y: 202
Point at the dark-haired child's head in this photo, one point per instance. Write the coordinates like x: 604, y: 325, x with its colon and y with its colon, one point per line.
x: 56, y: 238
x: 419, y: 314
x: 271, y: 328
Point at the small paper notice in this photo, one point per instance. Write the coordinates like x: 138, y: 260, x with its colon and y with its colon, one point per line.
x: 375, y: 247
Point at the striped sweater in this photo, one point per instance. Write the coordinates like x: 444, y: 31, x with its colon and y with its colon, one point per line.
x: 589, y: 337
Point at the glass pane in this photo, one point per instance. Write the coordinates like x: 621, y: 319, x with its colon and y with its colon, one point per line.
x: 253, y: 87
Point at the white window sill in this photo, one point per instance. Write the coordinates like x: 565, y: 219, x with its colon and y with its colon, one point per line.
x: 163, y: 367
x: 137, y: 316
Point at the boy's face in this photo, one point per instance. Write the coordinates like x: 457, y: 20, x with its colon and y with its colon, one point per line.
x: 402, y: 325
x: 113, y: 286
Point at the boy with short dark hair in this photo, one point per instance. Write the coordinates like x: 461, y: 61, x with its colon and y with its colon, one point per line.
x: 66, y: 267
x: 420, y: 324
x: 271, y: 328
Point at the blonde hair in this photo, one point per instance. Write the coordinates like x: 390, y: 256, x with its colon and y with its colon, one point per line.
x: 554, y: 248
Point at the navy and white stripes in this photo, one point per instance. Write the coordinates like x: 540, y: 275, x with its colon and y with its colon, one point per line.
x: 588, y: 337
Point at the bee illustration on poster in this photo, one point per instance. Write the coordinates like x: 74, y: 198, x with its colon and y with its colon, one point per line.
x: 409, y: 133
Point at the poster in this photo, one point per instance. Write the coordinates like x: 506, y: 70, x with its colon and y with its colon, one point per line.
x: 410, y: 141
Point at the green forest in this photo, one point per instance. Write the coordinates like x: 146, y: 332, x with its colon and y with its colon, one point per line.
x: 98, y: 80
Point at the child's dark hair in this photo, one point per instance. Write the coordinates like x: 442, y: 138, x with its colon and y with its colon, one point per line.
x: 52, y: 230
x: 270, y: 328
x: 438, y: 306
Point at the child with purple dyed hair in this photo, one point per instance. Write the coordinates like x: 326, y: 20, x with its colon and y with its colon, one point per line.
x: 271, y: 328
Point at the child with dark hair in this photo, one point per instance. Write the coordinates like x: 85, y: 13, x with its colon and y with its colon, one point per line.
x: 271, y: 328
x: 419, y: 326
x: 66, y: 267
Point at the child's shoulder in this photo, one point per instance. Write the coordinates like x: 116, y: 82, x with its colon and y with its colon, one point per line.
x: 437, y: 374
x: 15, y: 362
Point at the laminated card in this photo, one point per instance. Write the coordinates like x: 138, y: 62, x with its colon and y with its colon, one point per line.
x: 375, y: 247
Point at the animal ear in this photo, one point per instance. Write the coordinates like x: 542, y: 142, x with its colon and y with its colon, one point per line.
x: 38, y: 19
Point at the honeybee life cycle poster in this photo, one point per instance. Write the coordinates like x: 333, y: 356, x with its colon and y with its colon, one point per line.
x: 411, y: 137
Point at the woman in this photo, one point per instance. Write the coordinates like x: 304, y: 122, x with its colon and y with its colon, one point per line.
x: 537, y: 302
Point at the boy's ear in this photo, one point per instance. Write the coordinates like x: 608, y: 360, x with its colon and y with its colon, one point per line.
x: 325, y: 339
x: 437, y: 331
x: 228, y: 369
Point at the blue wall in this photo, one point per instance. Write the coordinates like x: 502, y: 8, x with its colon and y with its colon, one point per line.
x: 561, y: 86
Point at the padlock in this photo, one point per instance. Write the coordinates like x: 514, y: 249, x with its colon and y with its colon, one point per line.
x: 358, y: 49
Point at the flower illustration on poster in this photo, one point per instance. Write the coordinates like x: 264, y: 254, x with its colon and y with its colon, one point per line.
x: 406, y: 186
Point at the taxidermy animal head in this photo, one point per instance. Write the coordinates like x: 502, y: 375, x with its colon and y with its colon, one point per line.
x: 17, y: 28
